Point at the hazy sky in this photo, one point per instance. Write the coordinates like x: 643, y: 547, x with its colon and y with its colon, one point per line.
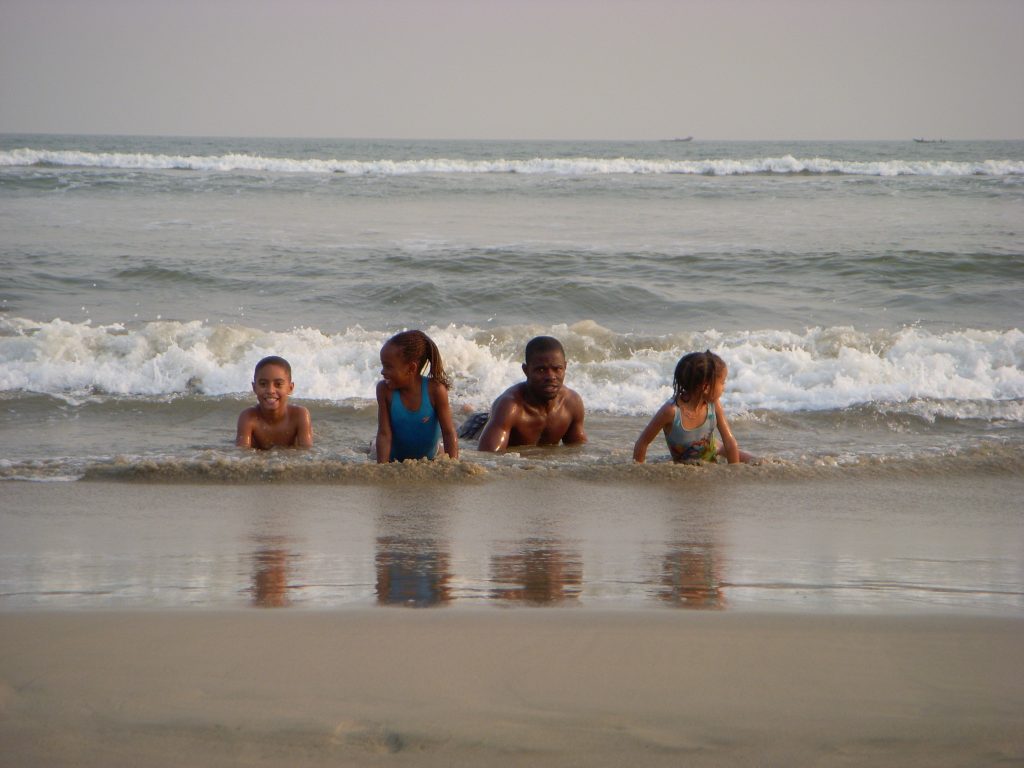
x: 531, y: 69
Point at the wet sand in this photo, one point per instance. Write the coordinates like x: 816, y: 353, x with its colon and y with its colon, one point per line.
x: 703, y: 619
x: 733, y: 539
x: 495, y: 688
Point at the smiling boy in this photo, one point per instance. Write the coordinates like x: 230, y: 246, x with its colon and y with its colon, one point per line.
x: 272, y: 422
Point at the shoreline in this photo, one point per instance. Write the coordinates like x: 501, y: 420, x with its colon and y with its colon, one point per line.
x: 546, y: 686
x: 850, y: 544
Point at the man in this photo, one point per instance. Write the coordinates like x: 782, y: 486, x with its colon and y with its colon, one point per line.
x: 538, y: 411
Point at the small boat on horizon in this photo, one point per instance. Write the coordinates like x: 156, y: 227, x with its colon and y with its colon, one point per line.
x: 930, y: 141
x: 685, y: 138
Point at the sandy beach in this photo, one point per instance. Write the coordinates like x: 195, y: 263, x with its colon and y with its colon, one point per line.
x: 705, y: 619
x: 524, y: 687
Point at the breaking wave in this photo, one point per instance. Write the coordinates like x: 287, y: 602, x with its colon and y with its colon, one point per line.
x: 969, y: 373
x: 580, y: 166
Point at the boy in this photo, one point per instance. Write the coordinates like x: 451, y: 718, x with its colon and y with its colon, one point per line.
x: 272, y: 422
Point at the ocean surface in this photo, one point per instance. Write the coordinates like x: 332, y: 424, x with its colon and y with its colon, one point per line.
x: 867, y: 296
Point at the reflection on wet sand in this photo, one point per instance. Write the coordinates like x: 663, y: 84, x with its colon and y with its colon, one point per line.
x: 691, y: 576
x: 412, y: 558
x: 270, y: 575
x: 412, y: 572
x: 539, y: 572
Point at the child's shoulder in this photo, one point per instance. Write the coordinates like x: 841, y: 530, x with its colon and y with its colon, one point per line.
x: 298, y: 411
x: 435, y: 387
x: 666, y: 413
x: 249, y: 413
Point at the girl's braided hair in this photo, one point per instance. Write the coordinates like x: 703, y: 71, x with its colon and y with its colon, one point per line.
x: 696, y: 374
x: 416, y: 346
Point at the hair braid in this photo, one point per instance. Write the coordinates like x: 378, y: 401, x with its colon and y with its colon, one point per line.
x: 415, y: 346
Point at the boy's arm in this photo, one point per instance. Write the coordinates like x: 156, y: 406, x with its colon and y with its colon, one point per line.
x: 243, y: 432
x: 304, y: 431
x: 496, y: 433
x: 383, y: 425
x: 575, y: 435
x: 657, y: 423
x: 443, y: 409
x: 730, y: 447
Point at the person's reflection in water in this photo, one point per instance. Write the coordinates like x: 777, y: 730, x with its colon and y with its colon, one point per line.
x: 412, y: 550
x: 412, y: 571
x: 691, y: 578
x: 539, y: 573
x: 270, y: 574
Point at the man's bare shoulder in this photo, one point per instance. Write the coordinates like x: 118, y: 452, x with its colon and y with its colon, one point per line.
x: 572, y: 395
x: 512, y: 399
x: 573, y: 400
x: 516, y: 392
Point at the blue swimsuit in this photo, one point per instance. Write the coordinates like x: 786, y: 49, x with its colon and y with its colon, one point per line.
x: 693, y: 444
x: 414, y: 435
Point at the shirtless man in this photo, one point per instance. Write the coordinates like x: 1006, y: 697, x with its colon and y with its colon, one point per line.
x: 540, y: 410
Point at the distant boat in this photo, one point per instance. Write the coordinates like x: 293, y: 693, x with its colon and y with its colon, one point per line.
x: 930, y: 141
x: 687, y: 138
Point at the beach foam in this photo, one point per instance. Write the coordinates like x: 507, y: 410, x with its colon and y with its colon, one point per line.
x: 581, y: 166
x: 954, y: 374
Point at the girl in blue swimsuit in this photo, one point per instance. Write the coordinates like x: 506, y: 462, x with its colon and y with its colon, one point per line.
x: 690, y: 418
x: 413, y: 413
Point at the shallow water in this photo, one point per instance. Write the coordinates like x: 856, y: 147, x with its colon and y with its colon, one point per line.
x: 876, y: 544
x: 866, y: 295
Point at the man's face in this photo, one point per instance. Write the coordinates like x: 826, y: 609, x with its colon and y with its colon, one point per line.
x: 545, y: 372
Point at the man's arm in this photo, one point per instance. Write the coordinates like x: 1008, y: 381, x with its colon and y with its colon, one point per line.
x: 496, y: 434
x: 575, y: 435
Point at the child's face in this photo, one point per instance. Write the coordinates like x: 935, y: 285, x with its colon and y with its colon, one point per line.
x: 272, y: 386
x: 719, y: 386
x: 397, y: 372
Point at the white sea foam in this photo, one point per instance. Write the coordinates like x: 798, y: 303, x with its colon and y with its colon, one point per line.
x: 581, y: 166
x: 956, y: 374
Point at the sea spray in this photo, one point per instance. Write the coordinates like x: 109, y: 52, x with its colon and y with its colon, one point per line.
x: 958, y: 372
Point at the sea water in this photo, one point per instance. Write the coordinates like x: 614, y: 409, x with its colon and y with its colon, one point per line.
x: 867, y: 296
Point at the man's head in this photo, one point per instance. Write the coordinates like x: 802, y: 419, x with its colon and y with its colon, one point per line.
x: 544, y: 367
x: 540, y: 344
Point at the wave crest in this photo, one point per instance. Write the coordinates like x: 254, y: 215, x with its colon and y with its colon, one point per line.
x: 957, y: 374
x: 580, y: 166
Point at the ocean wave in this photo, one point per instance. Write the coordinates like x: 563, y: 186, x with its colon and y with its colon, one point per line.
x: 226, y: 468
x: 952, y: 374
x: 579, y: 166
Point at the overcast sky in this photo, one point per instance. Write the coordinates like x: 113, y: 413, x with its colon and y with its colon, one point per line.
x: 519, y: 69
